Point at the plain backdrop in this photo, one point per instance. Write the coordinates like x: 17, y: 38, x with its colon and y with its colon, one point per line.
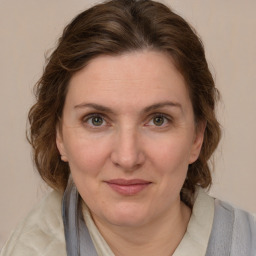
x: 29, y: 28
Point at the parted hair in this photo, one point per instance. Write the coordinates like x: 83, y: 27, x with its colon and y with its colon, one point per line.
x: 113, y: 28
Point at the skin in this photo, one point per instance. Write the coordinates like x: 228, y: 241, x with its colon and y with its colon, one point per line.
x: 142, y: 128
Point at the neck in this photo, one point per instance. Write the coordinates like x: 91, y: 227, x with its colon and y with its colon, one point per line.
x: 160, y: 237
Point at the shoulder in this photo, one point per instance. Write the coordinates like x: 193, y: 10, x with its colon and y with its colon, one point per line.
x: 238, y: 217
x: 41, y: 232
x: 233, y: 230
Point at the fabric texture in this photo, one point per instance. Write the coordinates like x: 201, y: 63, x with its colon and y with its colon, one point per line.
x: 233, y: 232
x: 78, y: 239
x: 195, y: 240
x: 41, y: 233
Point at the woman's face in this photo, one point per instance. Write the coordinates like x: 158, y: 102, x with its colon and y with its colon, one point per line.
x: 128, y: 134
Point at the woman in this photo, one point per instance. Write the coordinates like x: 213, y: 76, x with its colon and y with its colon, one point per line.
x: 124, y: 125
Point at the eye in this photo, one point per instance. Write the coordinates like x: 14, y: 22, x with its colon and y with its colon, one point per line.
x: 95, y: 120
x: 159, y: 120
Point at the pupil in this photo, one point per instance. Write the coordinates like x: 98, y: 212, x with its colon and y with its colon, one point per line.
x: 97, y: 121
x: 158, y: 120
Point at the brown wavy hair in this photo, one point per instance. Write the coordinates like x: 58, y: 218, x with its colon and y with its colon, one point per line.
x: 113, y: 28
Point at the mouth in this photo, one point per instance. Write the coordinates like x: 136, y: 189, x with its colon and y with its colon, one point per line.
x: 128, y: 187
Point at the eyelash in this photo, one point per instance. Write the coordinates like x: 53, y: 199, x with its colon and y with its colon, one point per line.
x: 87, y: 118
x: 167, y: 119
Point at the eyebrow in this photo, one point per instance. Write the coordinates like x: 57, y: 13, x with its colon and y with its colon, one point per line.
x: 105, y: 109
x: 161, y: 105
x: 95, y: 106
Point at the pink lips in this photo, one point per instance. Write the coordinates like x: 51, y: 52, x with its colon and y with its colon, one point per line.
x: 128, y: 187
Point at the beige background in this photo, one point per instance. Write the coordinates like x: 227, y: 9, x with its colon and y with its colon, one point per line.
x: 28, y: 28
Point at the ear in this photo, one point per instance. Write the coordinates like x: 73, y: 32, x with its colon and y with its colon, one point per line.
x: 60, y: 144
x: 198, y: 141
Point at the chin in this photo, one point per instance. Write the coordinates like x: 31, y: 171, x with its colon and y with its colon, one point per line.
x: 127, y: 216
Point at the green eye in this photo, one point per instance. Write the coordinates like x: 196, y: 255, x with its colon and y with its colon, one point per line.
x: 97, y: 121
x: 158, y: 120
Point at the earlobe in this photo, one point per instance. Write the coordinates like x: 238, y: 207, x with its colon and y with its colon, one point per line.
x: 64, y: 158
x: 60, y: 145
x: 198, y: 141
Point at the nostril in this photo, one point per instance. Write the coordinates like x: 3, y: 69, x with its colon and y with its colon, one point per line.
x: 128, y: 163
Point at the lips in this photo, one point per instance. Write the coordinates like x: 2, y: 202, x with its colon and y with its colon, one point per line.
x: 128, y: 187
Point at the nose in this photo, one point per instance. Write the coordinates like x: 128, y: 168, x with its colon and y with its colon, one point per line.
x: 127, y: 150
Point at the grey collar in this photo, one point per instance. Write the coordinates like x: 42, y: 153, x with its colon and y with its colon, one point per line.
x: 78, y: 240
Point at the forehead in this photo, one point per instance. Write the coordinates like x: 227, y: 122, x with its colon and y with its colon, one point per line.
x: 142, y: 77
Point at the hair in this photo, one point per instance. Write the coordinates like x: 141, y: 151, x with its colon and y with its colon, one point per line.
x: 113, y: 28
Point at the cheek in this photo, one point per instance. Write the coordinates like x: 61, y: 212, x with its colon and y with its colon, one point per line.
x: 172, y: 167
x: 85, y: 156
x: 172, y: 153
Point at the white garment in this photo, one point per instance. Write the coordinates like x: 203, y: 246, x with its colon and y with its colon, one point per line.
x: 195, y: 240
x: 42, y: 233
